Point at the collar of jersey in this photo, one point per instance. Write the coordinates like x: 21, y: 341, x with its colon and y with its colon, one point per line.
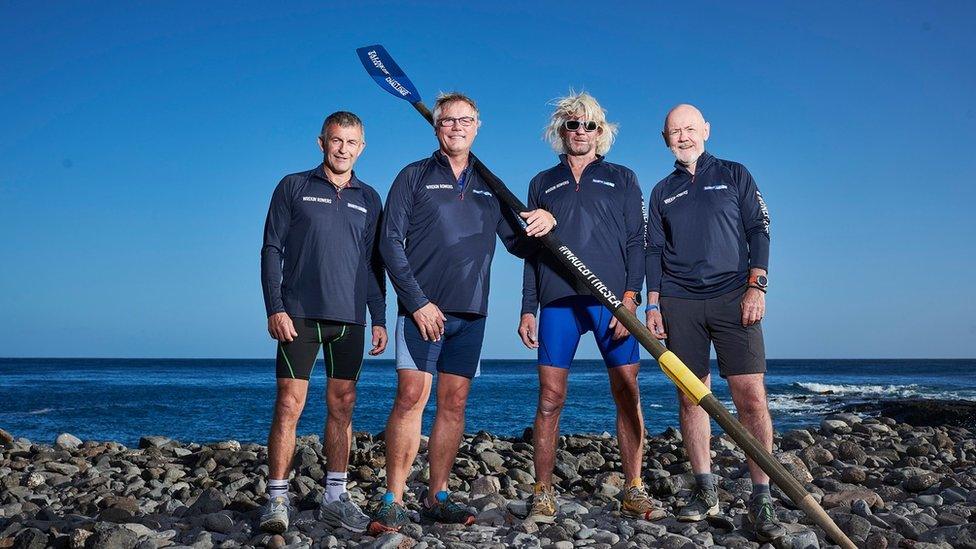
x: 354, y: 182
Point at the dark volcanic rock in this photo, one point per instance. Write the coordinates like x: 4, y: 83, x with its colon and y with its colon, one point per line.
x: 888, y: 484
x: 923, y: 412
x: 116, y: 537
x: 31, y: 538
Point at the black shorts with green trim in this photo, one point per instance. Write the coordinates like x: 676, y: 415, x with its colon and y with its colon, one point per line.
x: 342, y: 348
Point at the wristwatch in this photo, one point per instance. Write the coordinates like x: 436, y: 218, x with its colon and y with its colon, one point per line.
x: 759, y: 282
x: 633, y: 295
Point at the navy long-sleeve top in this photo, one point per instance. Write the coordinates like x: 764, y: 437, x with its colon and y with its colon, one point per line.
x: 705, y: 230
x: 319, y: 259
x: 438, y: 236
x: 600, y: 217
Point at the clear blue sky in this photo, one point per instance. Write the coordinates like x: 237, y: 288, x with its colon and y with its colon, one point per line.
x: 139, y: 146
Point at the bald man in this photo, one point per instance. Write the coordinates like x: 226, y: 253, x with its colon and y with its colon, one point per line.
x: 707, y: 255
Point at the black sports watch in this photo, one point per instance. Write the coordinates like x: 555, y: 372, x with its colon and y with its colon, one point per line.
x: 759, y: 282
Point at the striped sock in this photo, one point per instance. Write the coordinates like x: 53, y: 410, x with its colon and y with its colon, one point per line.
x: 278, y: 488
x: 335, y: 485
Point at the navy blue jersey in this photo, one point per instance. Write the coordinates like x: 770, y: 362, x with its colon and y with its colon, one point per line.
x: 438, y: 237
x: 705, y: 231
x: 601, y: 218
x: 318, y: 259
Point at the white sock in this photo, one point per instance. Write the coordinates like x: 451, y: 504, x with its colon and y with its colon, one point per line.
x: 278, y: 488
x: 335, y: 485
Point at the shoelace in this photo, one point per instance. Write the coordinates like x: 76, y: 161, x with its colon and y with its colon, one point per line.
x: 766, y: 511
x: 453, y: 509
x: 701, y: 496
x: 544, y: 498
x: 636, y: 494
x: 393, y: 508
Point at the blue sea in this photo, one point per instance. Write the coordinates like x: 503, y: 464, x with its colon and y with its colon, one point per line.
x: 212, y: 400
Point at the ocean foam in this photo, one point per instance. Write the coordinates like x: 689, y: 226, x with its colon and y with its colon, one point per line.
x: 861, y: 390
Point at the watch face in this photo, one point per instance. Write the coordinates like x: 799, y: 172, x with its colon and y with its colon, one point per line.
x: 762, y: 281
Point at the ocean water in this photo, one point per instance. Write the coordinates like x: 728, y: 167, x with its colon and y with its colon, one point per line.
x: 211, y: 400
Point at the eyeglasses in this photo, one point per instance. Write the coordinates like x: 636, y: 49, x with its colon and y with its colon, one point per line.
x: 447, y: 122
x: 573, y: 125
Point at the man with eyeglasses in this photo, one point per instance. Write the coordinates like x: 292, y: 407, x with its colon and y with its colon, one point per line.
x: 319, y: 273
x: 438, y: 239
x: 601, y: 215
x: 707, y: 255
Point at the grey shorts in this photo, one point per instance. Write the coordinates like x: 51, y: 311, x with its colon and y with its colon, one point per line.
x: 693, y: 325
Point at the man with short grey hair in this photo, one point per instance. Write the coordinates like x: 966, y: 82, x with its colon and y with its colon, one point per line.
x: 319, y: 273
x: 707, y: 256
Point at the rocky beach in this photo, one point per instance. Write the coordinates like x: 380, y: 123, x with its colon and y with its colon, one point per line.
x: 886, y: 483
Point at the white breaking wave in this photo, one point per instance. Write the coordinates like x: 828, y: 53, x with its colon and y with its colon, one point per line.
x: 861, y: 390
x: 41, y: 411
x: 793, y: 405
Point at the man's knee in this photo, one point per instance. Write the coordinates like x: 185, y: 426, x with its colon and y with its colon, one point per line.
x: 452, y: 404
x: 341, y: 402
x: 749, y: 395
x: 626, y: 391
x: 551, y: 401
x: 288, y: 406
x: 410, y: 399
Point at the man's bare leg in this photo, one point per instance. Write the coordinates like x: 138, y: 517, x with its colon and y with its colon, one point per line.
x: 445, y: 437
x: 403, y: 428
x: 696, y: 431
x: 289, y: 403
x: 630, y: 419
x: 340, y: 397
x: 545, y: 431
x: 749, y: 395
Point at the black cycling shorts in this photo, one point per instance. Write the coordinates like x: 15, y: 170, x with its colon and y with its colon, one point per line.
x: 342, y: 348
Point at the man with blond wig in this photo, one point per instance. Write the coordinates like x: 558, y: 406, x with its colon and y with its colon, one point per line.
x: 707, y: 255
x: 600, y: 214
x: 438, y: 239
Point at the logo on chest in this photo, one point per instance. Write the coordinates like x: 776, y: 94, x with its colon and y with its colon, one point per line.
x: 317, y: 199
x: 481, y: 192
x: 556, y: 186
x: 356, y: 207
x: 715, y: 187
x: 607, y: 183
x: 671, y: 199
x: 439, y: 186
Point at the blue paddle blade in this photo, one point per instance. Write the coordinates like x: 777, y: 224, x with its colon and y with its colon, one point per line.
x: 384, y: 70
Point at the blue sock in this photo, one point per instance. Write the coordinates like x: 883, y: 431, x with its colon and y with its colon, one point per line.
x: 760, y: 490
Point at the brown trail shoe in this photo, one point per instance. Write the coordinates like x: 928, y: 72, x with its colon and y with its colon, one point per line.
x: 638, y: 504
x: 543, y: 504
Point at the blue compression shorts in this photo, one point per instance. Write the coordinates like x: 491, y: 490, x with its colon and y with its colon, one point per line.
x: 563, y: 321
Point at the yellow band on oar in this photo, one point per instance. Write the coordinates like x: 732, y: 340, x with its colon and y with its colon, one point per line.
x: 684, y: 378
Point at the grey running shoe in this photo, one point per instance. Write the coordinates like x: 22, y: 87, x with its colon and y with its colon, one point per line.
x: 343, y: 513
x: 703, y: 503
x: 274, y: 519
x: 762, y: 515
